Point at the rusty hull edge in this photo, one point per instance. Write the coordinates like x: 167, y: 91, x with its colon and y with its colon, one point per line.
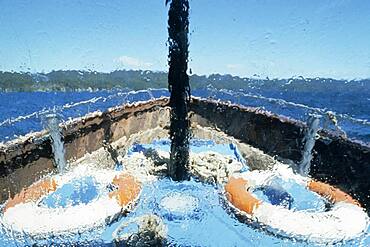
x: 337, y: 160
x: 25, y: 160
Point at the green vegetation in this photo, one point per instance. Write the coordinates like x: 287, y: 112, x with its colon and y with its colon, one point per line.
x: 73, y: 80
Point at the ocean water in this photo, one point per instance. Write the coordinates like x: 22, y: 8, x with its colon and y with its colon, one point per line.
x: 22, y: 112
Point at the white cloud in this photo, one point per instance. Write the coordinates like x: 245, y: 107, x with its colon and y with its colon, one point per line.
x: 133, y: 63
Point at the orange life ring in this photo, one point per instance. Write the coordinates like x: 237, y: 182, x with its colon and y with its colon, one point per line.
x: 331, y: 193
x: 42, y: 220
x: 241, y: 198
x: 33, y: 193
x: 345, y: 220
x: 128, y: 189
x: 238, y: 195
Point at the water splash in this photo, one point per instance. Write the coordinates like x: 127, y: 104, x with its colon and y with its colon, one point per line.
x: 52, y: 125
x: 313, y: 124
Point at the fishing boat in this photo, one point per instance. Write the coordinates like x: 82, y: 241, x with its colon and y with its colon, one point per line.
x: 184, y: 171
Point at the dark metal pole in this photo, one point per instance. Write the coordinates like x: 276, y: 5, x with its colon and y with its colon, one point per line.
x: 178, y: 85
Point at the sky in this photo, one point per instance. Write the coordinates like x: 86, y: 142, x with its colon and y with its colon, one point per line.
x: 249, y: 38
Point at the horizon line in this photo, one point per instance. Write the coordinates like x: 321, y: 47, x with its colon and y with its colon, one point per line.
x: 254, y: 77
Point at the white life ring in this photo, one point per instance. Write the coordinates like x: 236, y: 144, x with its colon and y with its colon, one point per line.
x: 345, y: 220
x: 22, y: 213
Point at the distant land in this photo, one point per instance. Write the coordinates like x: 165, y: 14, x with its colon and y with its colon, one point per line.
x: 75, y: 80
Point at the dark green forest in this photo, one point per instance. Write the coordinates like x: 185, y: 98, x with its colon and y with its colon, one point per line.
x: 73, y: 80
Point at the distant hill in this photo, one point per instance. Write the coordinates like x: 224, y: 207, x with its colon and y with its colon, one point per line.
x: 73, y: 80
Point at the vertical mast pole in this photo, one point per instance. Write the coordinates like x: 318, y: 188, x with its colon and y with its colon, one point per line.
x: 178, y: 85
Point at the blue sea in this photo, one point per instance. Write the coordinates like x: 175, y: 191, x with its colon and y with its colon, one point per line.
x: 23, y: 112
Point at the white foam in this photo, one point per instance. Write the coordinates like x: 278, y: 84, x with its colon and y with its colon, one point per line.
x: 178, y: 202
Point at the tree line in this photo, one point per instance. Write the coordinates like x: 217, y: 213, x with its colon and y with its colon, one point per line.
x: 74, y: 80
